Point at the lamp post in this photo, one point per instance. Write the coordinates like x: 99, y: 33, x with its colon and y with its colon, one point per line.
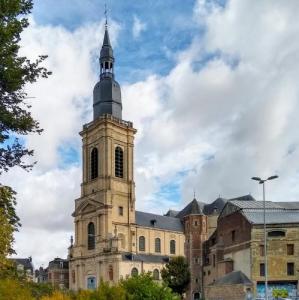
x: 262, y: 181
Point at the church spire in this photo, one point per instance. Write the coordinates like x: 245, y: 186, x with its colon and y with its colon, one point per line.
x: 106, y: 93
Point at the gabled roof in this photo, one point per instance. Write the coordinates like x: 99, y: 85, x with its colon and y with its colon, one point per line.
x: 158, y: 221
x: 26, y: 262
x: 235, y: 277
x: 193, y: 208
x: 253, y: 211
x: 215, y: 207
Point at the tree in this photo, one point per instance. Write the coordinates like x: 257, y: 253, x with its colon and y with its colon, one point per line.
x: 15, y: 118
x: 9, y: 222
x: 143, y: 287
x: 15, y: 72
x: 176, y: 274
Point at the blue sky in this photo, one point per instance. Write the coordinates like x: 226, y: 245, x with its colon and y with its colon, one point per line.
x: 169, y: 28
x: 211, y: 87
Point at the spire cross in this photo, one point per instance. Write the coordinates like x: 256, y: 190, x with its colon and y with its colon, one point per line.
x: 106, y: 13
x: 194, y: 196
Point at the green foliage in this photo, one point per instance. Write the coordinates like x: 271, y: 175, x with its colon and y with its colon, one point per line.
x: 282, y: 293
x: 9, y: 222
x: 15, y: 72
x: 141, y: 287
x: 176, y: 274
x: 14, y: 290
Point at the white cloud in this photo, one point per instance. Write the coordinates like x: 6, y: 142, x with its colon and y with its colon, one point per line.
x: 62, y: 104
x: 209, y: 125
x: 138, y: 27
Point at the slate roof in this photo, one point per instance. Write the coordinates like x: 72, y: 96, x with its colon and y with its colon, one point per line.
x: 235, y: 277
x: 255, y: 204
x: 26, y: 262
x: 215, y: 206
x: 276, y: 212
x: 158, y: 221
x: 145, y: 258
x: 192, y: 208
x: 275, y: 216
x: 244, y: 198
x: 172, y: 213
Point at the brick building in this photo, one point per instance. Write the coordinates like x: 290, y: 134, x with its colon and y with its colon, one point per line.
x: 238, y: 245
x: 58, y: 273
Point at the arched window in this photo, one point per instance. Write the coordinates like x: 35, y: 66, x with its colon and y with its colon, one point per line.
x: 141, y: 243
x: 157, y: 245
x: 110, y: 273
x: 156, y: 274
x: 134, y: 272
x: 119, y: 161
x: 91, y: 236
x: 94, y: 163
x: 172, y: 247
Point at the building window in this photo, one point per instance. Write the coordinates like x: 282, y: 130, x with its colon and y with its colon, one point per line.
x: 262, y: 250
x: 195, y: 223
x: 50, y: 276
x: 73, y: 277
x: 157, y: 245
x: 276, y: 233
x: 119, y: 160
x: 262, y: 269
x: 91, y: 283
x: 94, y: 163
x: 290, y: 249
x: 91, y: 236
x: 134, y: 272
x: 290, y: 269
x: 196, y: 280
x: 196, y: 260
x: 141, y: 243
x: 214, y: 260
x: 172, y: 247
x: 120, y: 210
x: 233, y: 235
x: 110, y: 273
x: 156, y: 274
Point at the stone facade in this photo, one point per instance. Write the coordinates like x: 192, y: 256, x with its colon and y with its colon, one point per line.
x: 238, y: 244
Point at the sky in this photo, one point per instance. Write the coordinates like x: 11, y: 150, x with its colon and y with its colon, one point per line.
x: 211, y: 86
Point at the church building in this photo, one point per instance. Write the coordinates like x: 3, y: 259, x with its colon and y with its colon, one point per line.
x: 112, y: 239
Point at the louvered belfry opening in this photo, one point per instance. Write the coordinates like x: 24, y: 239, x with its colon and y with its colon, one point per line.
x: 119, y: 160
x: 94, y: 161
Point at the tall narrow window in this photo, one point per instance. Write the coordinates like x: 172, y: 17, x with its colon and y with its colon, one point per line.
x: 94, y: 163
x: 110, y: 273
x: 262, y: 269
x: 156, y: 274
x: 119, y: 160
x: 141, y: 243
x: 290, y: 249
x: 91, y: 236
x: 157, y: 245
x: 290, y: 269
x: 172, y: 247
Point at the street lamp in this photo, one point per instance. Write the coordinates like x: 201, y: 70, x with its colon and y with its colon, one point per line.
x: 262, y: 181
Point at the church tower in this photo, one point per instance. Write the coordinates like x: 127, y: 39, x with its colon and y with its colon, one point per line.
x: 106, y: 209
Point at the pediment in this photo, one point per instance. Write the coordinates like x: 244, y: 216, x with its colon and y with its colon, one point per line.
x: 89, y: 205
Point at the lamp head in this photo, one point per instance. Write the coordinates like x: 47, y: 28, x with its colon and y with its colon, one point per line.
x: 272, y: 177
